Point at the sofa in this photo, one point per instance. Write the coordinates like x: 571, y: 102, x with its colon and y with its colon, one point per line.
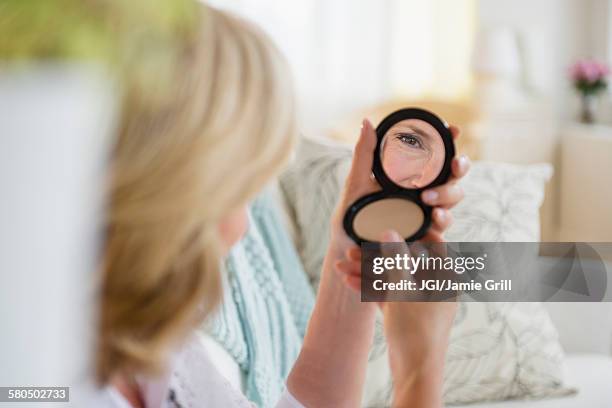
x: 582, y: 330
x: 585, y: 332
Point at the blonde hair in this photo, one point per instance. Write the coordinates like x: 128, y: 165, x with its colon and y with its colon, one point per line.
x: 188, y: 154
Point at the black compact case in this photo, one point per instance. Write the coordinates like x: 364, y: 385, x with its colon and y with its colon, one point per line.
x: 392, y: 190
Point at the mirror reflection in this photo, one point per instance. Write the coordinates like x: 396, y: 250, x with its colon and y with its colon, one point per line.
x: 412, y: 153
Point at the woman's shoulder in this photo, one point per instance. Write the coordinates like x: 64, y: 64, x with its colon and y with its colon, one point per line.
x: 193, y: 381
x: 196, y: 382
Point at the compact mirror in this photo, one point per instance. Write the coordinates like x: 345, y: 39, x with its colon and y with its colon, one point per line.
x: 414, y: 152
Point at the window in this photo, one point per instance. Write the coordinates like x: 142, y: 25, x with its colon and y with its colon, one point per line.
x: 348, y: 54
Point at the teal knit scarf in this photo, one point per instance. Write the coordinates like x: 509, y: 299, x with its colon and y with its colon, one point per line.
x: 266, y: 306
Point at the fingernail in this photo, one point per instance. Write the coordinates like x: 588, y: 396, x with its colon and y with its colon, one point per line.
x: 463, y: 160
x: 430, y: 196
x: 440, y: 214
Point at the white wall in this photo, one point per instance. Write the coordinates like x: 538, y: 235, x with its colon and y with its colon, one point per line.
x: 553, y: 34
x: 347, y: 55
x: 344, y: 52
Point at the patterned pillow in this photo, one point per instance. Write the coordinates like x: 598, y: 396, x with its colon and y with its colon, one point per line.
x: 502, y: 203
x: 497, y: 350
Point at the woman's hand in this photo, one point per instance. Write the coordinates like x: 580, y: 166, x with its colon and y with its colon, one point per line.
x: 330, y: 370
x: 360, y: 182
x: 417, y: 336
x: 340, y: 322
x: 417, y: 333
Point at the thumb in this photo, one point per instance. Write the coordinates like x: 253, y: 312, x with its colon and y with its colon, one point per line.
x: 391, y: 236
x: 361, y: 167
x: 397, y: 247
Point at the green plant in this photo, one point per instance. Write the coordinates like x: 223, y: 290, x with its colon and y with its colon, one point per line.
x: 89, y: 29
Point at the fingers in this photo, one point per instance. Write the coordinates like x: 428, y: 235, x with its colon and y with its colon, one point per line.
x: 446, y: 195
x: 353, y: 254
x: 346, y: 267
x: 449, y: 194
x: 455, y: 131
x: 441, y: 219
x: 353, y: 282
x: 361, y: 167
x: 460, y: 166
x: 350, y: 273
x: 391, y: 236
x: 432, y: 236
x: 349, y: 268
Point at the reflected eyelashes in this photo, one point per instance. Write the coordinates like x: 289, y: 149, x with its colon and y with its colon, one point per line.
x: 411, y: 140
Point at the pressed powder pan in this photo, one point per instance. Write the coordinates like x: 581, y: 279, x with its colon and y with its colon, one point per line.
x: 381, y: 214
x: 414, y: 152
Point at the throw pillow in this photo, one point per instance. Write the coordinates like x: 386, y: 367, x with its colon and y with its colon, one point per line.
x: 498, y: 350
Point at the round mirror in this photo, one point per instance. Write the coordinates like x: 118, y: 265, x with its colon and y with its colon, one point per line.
x: 412, y: 153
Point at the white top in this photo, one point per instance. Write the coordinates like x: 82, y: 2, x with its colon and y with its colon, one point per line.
x: 194, y: 382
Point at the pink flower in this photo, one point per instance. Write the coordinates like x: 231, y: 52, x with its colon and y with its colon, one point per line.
x: 590, y: 71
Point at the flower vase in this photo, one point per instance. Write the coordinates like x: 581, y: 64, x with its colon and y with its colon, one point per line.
x: 588, y: 108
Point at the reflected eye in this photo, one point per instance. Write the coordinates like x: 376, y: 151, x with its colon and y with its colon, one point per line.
x: 411, y: 140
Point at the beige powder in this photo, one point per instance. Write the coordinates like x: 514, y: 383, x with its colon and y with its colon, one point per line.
x: 397, y: 214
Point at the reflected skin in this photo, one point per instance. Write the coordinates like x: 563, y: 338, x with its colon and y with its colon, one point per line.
x: 413, y: 153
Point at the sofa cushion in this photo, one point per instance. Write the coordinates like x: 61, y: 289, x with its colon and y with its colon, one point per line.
x: 590, y: 373
x: 502, y: 203
x: 498, y: 350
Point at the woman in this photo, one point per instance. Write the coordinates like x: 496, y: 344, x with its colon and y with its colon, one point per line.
x: 187, y: 162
